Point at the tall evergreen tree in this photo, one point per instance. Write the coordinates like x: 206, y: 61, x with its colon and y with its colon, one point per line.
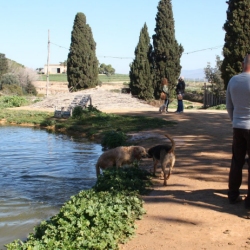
x: 82, y: 64
x: 167, y: 51
x: 237, y: 38
x: 141, y: 81
x: 3, y: 65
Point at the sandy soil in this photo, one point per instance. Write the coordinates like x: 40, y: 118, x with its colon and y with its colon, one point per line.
x: 192, y: 212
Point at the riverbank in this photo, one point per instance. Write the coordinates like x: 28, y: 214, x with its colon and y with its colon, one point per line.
x: 192, y: 212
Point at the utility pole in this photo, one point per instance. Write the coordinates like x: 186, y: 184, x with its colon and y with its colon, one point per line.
x: 47, y: 84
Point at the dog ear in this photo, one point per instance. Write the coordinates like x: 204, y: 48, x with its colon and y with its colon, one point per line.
x: 136, y: 152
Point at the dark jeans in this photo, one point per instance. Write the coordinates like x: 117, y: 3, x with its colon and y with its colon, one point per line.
x: 166, y: 104
x: 241, y: 147
x: 180, y: 106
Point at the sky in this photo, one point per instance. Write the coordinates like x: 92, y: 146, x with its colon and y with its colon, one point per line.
x: 115, y: 26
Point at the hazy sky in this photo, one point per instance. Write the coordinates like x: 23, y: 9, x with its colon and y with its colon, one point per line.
x: 115, y: 24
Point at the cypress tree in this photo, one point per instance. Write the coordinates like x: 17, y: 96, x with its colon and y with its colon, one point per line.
x: 167, y: 51
x: 237, y: 38
x: 141, y: 81
x: 82, y: 64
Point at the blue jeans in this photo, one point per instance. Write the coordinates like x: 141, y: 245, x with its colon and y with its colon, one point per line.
x: 166, y: 104
x: 180, y: 106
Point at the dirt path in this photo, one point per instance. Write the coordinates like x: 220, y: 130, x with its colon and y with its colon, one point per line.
x: 192, y: 212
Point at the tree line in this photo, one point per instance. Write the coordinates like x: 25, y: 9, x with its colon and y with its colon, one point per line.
x: 161, y: 58
x: 151, y: 63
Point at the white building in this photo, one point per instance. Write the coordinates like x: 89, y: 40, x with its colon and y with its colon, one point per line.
x: 55, y: 69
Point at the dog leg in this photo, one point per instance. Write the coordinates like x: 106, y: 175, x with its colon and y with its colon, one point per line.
x: 172, y: 162
x: 155, y: 164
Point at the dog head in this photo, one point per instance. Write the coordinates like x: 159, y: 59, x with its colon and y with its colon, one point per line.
x: 139, y: 152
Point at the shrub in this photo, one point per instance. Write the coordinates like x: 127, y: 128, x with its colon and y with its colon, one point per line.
x: 93, y: 219
x: 30, y: 89
x: 113, y: 139
x: 77, y: 112
x: 12, y: 89
x: 12, y: 101
x: 9, y: 79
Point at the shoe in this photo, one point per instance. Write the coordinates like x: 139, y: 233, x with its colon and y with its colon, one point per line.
x: 234, y: 201
x: 166, y: 111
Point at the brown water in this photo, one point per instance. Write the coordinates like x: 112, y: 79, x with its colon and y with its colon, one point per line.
x: 39, y: 171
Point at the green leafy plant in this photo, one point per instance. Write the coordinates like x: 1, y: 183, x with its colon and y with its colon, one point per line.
x: 77, y: 112
x: 12, y: 101
x: 99, y: 218
x: 112, y: 139
x: 130, y: 178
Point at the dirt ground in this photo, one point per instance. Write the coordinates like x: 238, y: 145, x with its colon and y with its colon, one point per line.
x: 192, y: 212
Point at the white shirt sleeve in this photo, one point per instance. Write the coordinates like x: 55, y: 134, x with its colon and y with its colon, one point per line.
x: 229, y: 103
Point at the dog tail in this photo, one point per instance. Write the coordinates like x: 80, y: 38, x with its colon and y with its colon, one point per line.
x: 97, y: 168
x: 173, y: 143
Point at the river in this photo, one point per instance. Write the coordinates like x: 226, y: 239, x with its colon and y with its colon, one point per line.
x: 39, y: 171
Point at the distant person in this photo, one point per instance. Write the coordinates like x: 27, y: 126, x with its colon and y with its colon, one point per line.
x: 165, y: 95
x: 180, y: 90
x: 238, y: 108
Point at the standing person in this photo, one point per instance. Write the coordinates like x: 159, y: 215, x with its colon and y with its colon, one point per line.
x: 165, y: 90
x: 180, y: 89
x: 238, y: 108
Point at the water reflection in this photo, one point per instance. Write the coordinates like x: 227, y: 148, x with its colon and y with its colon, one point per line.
x: 39, y: 172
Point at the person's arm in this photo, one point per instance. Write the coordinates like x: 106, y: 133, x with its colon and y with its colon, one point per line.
x: 229, y: 103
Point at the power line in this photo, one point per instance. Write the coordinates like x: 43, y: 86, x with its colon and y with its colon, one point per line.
x: 195, y: 51
x: 121, y: 57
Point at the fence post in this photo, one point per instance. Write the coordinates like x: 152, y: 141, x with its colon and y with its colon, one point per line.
x: 204, y: 96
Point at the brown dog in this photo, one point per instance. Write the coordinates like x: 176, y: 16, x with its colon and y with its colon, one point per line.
x: 165, y: 154
x: 120, y: 156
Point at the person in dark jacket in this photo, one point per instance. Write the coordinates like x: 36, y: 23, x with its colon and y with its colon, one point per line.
x: 180, y: 90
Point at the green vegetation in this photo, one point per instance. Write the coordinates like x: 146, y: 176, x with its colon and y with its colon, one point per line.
x: 213, y: 75
x: 54, y: 78
x: 114, y: 78
x: 102, y: 78
x: 99, y: 218
x: 141, y: 80
x: 167, y: 51
x: 94, y: 122
x: 106, y: 69
x: 12, y: 89
x: 24, y: 116
x: 113, y: 139
x: 219, y: 107
x: 3, y: 65
x: 12, y: 101
x: 30, y: 88
x: 91, y: 122
x: 237, y: 38
x: 82, y: 63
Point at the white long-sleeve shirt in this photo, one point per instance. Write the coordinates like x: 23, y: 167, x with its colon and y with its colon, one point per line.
x: 238, y: 100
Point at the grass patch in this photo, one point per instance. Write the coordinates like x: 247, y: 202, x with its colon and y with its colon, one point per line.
x: 90, y: 122
x: 102, y: 78
x: 24, y: 116
x: 99, y: 218
x: 93, y: 122
x: 12, y: 101
x: 219, y: 107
